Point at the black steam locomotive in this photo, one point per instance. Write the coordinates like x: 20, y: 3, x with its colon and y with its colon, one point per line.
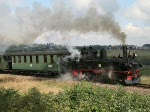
x: 91, y: 66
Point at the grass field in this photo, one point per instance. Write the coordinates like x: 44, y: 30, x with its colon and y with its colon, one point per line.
x: 44, y: 85
x: 24, y: 83
x: 145, y: 80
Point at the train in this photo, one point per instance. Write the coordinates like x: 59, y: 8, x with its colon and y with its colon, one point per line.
x: 91, y: 64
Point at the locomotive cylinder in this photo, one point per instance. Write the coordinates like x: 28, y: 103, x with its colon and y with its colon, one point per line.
x: 124, y: 51
x: 103, y: 54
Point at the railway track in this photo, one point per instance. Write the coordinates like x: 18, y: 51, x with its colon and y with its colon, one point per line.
x: 145, y: 86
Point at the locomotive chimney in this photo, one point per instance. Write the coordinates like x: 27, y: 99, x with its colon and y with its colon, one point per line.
x: 124, y: 51
x: 103, y: 54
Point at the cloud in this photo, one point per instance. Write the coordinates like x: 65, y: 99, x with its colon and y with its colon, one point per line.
x: 140, y: 10
x: 11, y: 2
x: 80, y: 4
x: 137, y: 35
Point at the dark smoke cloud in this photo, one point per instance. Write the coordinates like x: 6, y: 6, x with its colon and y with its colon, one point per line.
x: 24, y: 25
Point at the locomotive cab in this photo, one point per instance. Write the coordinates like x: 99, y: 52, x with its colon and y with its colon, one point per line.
x: 88, y: 53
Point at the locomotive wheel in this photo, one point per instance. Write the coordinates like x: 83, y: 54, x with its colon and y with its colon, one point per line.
x: 115, y: 78
x: 88, y: 76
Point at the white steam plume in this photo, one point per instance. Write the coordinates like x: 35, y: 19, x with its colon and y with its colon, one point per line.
x: 74, y: 52
x: 66, y: 77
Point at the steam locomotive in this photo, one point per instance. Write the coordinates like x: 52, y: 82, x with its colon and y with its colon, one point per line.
x: 89, y: 66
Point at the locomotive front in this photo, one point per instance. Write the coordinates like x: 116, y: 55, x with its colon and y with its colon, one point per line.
x: 130, y: 67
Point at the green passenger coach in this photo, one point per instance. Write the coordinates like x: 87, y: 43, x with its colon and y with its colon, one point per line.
x: 37, y: 61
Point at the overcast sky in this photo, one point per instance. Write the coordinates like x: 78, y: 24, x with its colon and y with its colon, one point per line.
x: 32, y: 21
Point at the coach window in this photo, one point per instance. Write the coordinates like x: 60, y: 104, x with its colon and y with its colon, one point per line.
x: 5, y: 58
x: 52, y: 59
x: 14, y: 59
x: 37, y: 59
x: 25, y: 59
x: 30, y: 59
x: 19, y: 59
x: 45, y: 58
x: 9, y: 58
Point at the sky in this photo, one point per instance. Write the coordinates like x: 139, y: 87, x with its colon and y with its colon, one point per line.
x: 65, y: 22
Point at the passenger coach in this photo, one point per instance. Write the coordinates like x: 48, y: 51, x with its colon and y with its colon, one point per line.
x: 33, y: 62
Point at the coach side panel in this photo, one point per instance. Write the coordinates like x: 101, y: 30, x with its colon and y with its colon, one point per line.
x: 36, y: 62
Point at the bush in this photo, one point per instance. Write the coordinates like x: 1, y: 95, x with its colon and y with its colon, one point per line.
x: 9, y: 100
x: 82, y: 97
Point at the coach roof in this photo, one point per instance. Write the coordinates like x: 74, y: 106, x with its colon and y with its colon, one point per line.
x: 53, y: 52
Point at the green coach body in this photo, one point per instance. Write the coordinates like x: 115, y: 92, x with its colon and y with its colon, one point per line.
x: 37, y: 61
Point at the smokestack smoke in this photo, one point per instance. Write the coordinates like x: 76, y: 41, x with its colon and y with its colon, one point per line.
x: 24, y: 25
